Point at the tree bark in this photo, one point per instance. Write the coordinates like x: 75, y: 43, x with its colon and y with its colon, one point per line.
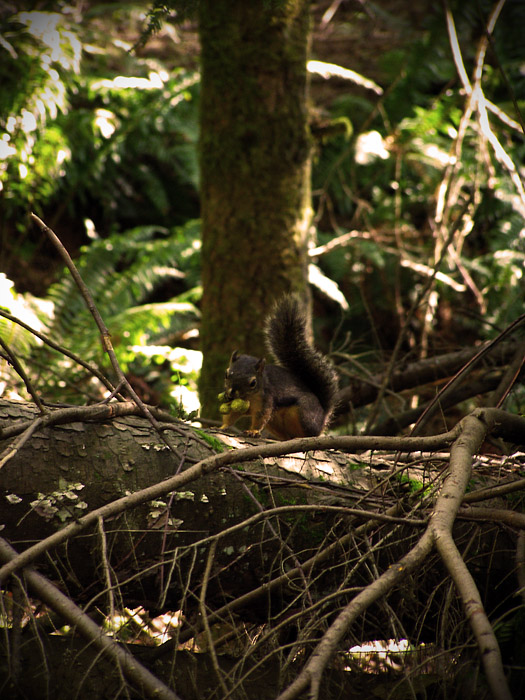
x: 65, y: 470
x: 255, y: 172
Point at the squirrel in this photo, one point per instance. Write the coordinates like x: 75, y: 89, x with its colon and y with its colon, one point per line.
x: 294, y: 398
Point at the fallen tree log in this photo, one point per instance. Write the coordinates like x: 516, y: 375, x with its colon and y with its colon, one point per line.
x: 272, y: 534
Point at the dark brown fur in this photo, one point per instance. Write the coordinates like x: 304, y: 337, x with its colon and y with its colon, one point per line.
x: 294, y: 398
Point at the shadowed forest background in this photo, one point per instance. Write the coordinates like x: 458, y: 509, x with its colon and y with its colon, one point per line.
x: 197, y: 160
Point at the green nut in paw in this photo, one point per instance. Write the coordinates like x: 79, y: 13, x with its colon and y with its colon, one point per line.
x: 221, y: 396
x: 240, y: 405
x: 225, y: 407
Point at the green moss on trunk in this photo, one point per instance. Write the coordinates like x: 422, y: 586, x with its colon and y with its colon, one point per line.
x: 255, y: 164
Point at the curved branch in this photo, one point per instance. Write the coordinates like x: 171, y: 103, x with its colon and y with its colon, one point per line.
x: 441, y: 522
x: 312, y: 672
x: 473, y: 430
x: 61, y: 604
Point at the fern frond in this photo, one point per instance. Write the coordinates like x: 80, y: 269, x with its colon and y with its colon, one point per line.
x: 121, y: 273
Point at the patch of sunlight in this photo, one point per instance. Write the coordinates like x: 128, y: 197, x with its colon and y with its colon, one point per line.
x: 154, y: 81
x: 369, y: 147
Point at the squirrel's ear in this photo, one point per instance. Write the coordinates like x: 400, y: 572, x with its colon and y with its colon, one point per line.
x: 234, y: 357
x: 260, y: 364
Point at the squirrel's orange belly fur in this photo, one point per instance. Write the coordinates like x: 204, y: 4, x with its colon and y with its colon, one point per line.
x: 285, y: 423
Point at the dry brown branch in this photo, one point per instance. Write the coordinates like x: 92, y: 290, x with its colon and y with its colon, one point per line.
x: 495, y: 515
x: 58, y: 348
x: 397, y: 423
x: 360, y: 392
x: 460, y: 376
x: 488, y: 492
x: 438, y: 535
x: 509, y: 378
x: 11, y: 451
x: 441, y: 523
x: 71, y: 613
x: 204, y: 616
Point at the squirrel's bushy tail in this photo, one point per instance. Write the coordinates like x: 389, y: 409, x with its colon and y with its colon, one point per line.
x: 286, y: 339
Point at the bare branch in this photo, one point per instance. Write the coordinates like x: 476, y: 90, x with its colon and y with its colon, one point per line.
x: 70, y: 612
x: 441, y: 522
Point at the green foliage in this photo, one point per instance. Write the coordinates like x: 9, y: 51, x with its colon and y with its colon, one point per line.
x: 159, y: 12
x: 17, y: 338
x: 90, y: 131
x: 215, y: 444
x: 139, y: 134
x: 100, y: 136
x: 354, y: 466
x: 412, y: 158
x: 39, y: 53
x: 414, y: 485
x: 122, y: 274
x: 99, y: 139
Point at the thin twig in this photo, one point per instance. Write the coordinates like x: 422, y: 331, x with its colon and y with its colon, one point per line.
x: 13, y: 449
x: 13, y: 360
x: 106, y: 566
x: 427, y: 413
x: 312, y: 672
x: 204, y: 617
x: 281, y: 581
x: 508, y: 380
x: 104, y: 333
x: 408, y: 320
x: 520, y: 563
x: 447, y: 505
x: 58, y: 348
x: 293, y: 556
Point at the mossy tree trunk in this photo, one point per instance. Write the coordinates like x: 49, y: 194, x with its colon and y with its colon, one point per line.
x: 255, y: 165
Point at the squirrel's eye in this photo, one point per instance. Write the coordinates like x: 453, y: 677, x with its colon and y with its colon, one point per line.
x: 253, y: 382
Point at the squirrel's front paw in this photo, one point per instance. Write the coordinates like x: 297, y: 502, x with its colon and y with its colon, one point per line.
x: 253, y: 433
